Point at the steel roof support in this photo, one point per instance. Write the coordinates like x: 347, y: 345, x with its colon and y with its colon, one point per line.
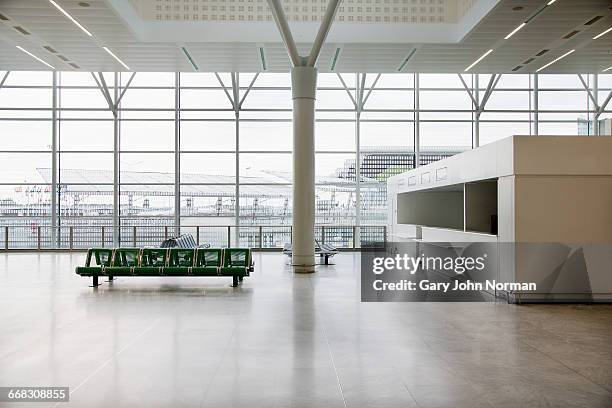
x: 328, y: 18
x: 127, y: 85
x: 588, y: 91
x: 6, y: 74
x: 283, y: 27
x: 303, y: 92
x: 347, y: 90
x: 226, y: 91
x: 248, y: 90
x: 370, y: 91
x: 101, y: 83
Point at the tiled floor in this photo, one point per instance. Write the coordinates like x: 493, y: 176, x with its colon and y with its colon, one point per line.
x: 283, y: 340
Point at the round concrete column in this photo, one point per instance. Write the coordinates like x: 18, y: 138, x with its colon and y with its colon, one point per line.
x: 303, y: 89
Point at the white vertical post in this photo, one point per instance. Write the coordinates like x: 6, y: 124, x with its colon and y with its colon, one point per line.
x: 357, y: 230
x: 54, y: 170
x: 177, y: 153
x: 237, y: 170
x: 303, y: 89
x: 417, y: 122
x: 536, y: 106
x: 116, y: 167
x: 596, y: 94
x: 476, y: 91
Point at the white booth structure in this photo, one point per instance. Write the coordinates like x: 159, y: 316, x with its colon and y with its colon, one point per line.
x: 542, y: 205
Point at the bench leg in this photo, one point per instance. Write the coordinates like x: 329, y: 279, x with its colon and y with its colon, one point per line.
x: 240, y: 278
x: 111, y: 278
x: 95, y: 283
x: 234, y: 281
x: 326, y: 259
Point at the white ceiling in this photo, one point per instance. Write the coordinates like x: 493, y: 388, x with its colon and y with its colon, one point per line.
x: 448, y: 35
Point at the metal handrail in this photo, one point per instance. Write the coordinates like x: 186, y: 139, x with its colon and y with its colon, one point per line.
x: 74, y: 237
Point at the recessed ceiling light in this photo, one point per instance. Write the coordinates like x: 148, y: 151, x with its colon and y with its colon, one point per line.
x: 517, y: 8
x: 515, y: 30
x: 64, y: 12
x: 83, y: 4
x: 602, y: 33
x: 35, y: 57
x: 117, y: 58
x: 555, y: 60
x: 607, y: 69
x: 478, y: 60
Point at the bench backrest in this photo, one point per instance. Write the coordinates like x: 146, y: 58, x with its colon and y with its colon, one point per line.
x: 125, y: 257
x: 237, y: 257
x: 209, y: 257
x: 181, y: 257
x: 156, y: 257
x: 101, y: 257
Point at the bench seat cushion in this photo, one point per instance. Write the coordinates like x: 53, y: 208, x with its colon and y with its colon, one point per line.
x: 147, y: 271
x: 205, y: 271
x: 118, y: 271
x: 176, y: 271
x: 89, y: 270
x: 233, y: 271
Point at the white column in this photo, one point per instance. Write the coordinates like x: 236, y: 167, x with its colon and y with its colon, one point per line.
x: 476, y: 124
x: 116, y: 166
x: 177, y: 153
x: 536, y: 105
x: 417, y: 121
x: 54, y: 171
x: 303, y: 89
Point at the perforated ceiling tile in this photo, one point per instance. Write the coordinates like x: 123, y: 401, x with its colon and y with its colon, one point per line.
x: 352, y: 11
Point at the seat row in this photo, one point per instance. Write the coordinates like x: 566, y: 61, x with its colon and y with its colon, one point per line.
x: 234, y: 262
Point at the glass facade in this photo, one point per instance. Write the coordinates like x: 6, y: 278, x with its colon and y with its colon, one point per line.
x: 190, y: 149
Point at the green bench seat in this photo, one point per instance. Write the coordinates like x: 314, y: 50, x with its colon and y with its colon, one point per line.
x: 97, y: 260
x: 207, y: 262
x: 234, y: 262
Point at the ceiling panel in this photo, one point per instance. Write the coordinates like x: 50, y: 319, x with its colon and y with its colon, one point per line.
x: 48, y: 27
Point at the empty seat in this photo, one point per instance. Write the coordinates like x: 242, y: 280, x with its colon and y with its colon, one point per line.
x: 180, y: 262
x: 152, y: 262
x: 123, y: 262
x: 208, y: 262
x: 236, y: 262
x: 101, y: 258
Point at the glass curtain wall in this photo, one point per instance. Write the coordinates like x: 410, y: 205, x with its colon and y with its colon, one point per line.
x: 212, y: 152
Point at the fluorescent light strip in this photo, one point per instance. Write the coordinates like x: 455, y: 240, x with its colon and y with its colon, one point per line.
x: 555, y: 60
x: 64, y: 12
x: 478, y: 60
x: 603, y: 33
x: 117, y: 58
x: 35, y: 57
x: 607, y: 69
x: 515, y: 30
x: 550, y: 2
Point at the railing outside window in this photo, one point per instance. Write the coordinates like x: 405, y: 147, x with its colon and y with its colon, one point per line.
x: 38, y: 237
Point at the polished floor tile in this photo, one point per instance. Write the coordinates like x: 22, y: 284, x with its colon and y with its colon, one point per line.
x: 284, y: 340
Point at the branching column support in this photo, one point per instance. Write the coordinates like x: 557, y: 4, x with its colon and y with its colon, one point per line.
x: 236, y: 104
x: 114, y: 102
x: 479, y: 105
x: 599, y: 109
x: 303, y: 89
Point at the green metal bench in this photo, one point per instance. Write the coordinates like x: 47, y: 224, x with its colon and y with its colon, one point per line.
x: 234, y: 262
